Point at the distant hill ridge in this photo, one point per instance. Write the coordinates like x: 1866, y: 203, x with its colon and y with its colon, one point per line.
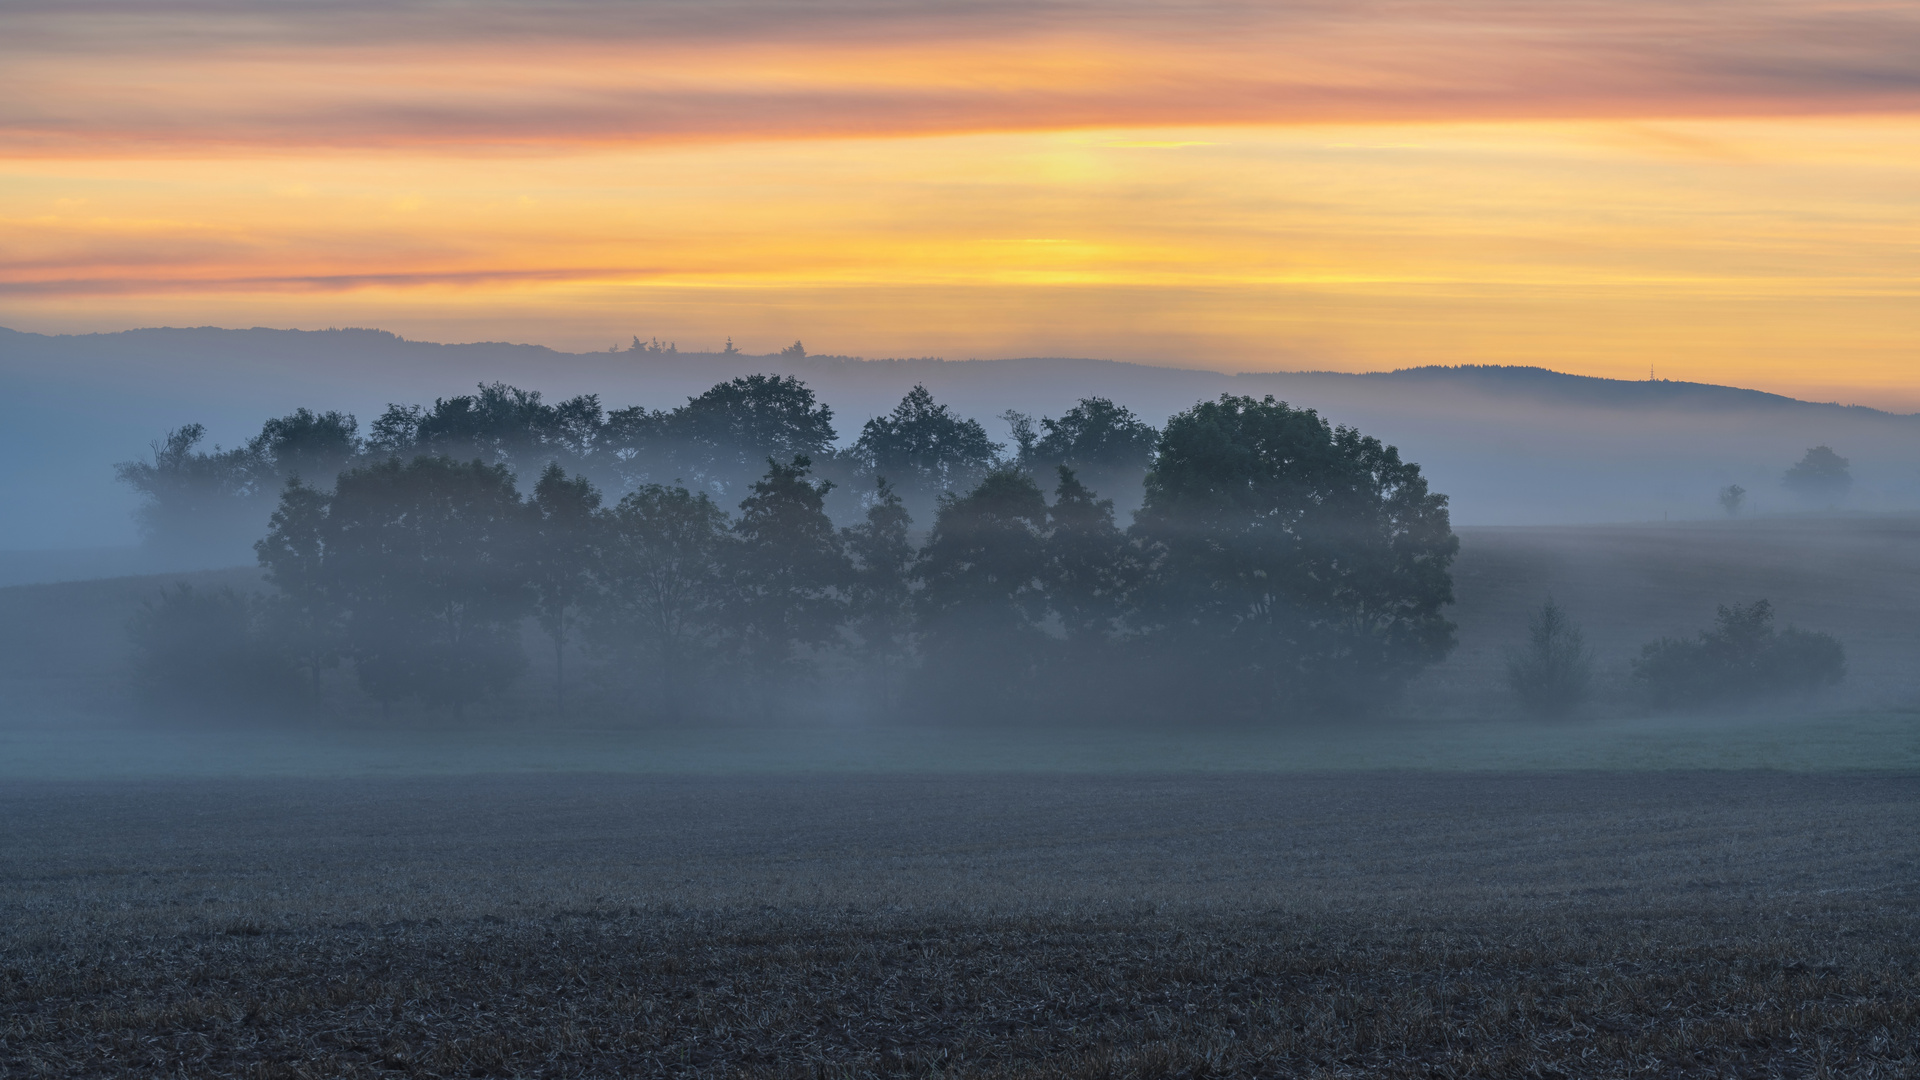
x: 1596, y: 390
x: 1499, y: 379
x: 1509, y: 445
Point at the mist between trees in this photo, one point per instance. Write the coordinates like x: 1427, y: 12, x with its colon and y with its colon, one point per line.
x: 725, y: 559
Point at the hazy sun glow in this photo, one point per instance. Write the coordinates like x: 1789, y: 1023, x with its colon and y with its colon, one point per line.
x: 1728, y: 192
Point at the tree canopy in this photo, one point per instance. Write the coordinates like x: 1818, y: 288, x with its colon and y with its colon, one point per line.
x: 1277, y: 565
x: 924, y: 450
x: 428, y: 559
x: 1293, y: 561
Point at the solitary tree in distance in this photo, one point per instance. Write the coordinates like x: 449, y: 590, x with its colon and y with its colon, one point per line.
x: 305, y: 618
x: 1821, y: 476
x: 1732, y: 498
x: 1554, y: 673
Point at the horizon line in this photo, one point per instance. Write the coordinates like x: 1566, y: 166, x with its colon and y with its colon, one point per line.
x: 1147, y: 364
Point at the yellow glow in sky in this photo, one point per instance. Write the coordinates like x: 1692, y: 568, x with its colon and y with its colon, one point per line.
x: 1368, y: 200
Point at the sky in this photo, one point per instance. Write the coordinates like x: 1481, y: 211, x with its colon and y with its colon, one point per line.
x: 1714, y: 191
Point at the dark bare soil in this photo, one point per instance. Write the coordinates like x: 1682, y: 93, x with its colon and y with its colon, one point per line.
x: 1711, y: 925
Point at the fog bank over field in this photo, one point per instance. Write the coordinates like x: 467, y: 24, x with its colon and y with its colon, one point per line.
x: 1509, y: 446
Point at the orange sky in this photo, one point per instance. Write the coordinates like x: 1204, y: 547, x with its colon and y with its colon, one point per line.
x: 1727, y: 191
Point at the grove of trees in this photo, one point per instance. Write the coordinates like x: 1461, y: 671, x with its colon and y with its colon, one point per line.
x: 689, y: 562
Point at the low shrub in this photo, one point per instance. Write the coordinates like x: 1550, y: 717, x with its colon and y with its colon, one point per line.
x: 1742, y: 658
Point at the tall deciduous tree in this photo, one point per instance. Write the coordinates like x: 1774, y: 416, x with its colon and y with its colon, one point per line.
x: 1295, y: 561
x: 1732, y: 498
x: 305, y: 618
x: 983, y: 601
x: 788, y: 589
x: 559, y: 562
x: 428, y: 558
x: 1087, y: 563
x: 881, y: 586
x: 661, y: 577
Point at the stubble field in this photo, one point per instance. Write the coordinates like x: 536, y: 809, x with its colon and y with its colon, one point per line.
x: 1381, y: 924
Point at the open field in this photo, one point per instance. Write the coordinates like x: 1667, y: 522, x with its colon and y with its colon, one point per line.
x: 1799, y: 742
x: 1582, y: 925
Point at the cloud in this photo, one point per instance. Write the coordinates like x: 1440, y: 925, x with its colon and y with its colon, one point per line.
x: 105, y: 79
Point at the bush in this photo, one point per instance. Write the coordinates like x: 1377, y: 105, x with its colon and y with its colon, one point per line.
x: 1741, y: 658
x: 201, y: 648
x: 1554, y: 672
